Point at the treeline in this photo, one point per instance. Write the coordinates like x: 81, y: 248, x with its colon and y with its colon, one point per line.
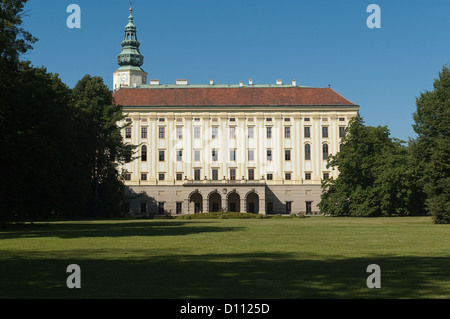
x: 382, y: 176
x: 59, y: 147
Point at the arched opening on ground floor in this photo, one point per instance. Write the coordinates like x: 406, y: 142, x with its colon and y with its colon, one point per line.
x: 234, y: 202
x: 215, y: 201
x: 197, y: 200
x: 252, y: 203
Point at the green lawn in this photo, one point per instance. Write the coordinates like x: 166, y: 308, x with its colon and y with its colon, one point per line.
x: 317, y: 257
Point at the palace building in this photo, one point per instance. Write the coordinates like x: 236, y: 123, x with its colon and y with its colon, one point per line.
x: 244, y: 147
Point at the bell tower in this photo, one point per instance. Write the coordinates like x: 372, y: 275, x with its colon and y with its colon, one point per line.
x: 129, y: 74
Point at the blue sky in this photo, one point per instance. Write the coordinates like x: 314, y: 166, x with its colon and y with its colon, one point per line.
x: 318, y: 43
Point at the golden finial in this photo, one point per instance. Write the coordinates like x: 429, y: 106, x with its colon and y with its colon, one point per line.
x: 131, y: 7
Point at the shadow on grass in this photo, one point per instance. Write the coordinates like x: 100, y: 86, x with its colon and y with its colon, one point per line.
x: 224, y: 276
x: 112, y: 229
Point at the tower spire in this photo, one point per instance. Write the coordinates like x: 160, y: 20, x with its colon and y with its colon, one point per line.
x: 130, y: 59
x: 130, y: 54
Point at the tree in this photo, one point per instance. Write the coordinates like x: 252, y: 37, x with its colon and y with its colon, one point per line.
x: 35, y: 130
x: 100, y: 144
x: 431, y: 149
x: 374, y: 175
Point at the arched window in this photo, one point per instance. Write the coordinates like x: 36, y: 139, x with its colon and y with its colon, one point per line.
x: 325, y: 151
x: 144, y: 153
x: 307, y: 151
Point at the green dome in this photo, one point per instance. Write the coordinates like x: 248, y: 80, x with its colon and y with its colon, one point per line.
x: 130, y: 55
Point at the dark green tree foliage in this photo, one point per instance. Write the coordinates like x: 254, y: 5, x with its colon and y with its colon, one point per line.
x: 431, y: 149
x: 58, y: 149
x: 374, y: 175
x: 100, y: 144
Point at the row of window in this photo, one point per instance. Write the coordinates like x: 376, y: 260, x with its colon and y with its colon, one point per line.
x: 215, y: 175
x: 232, y: 132
x: 250, y: 157
x: 179, y: 207
x: 233, y: 119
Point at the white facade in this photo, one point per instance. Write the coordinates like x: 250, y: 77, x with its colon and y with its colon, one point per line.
x: 233, y: 149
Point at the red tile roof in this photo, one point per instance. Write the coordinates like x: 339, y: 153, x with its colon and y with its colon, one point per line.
x: 232, y: 96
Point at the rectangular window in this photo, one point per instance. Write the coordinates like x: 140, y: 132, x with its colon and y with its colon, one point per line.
x: 251, y: 155
x: 179, y: 176
x: 215, y: 132
x: 287, y: 155
x: 143, y: 176
x: 287, y: 176
x: 325, y: 131
x: 127, y: 176
x: 215, y: 174
x: 161, y: 119
x: 308, y: 207
x: 196, y: 155
x: 307, y: 119
x: 232, y: 155
x: 251, y: 132
x: 215, y: 155
x: 307, y: 131
x: 179, y: 132
x: 288, y: 207
x: 128, y: 132
x: 268, y: 132
x: 287, y: 119
x: 341, y: 131
x: 308, y: 176
x: 269, y: 176
x: 269, y: 119
x: 144, y: 153
x: 161, y: 156
x: 251, y: 174
x: 269, y: 155
x: 161, y: 176
x: 196, y: 132
x: 326, y: 176
x: 287, y: 132
x: 342, y: 119
x: 179, y: 155
x: 161, y: 208
x: 161, y: 132
x: 232, y: 132
x: 232, y: 174
x: 196, y: 174
x: 143, y: 132
x: 179, y: 207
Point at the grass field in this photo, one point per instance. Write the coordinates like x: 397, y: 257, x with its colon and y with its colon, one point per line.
x: 282, y: 258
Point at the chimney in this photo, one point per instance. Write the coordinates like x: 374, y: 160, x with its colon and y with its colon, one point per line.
x: 250, y: 82
x: 241, y: 84
x: 279, y: 82
x: 182, y: 82
x: 154, y: 82
x: 294, y: 82
x: 211, y: 82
